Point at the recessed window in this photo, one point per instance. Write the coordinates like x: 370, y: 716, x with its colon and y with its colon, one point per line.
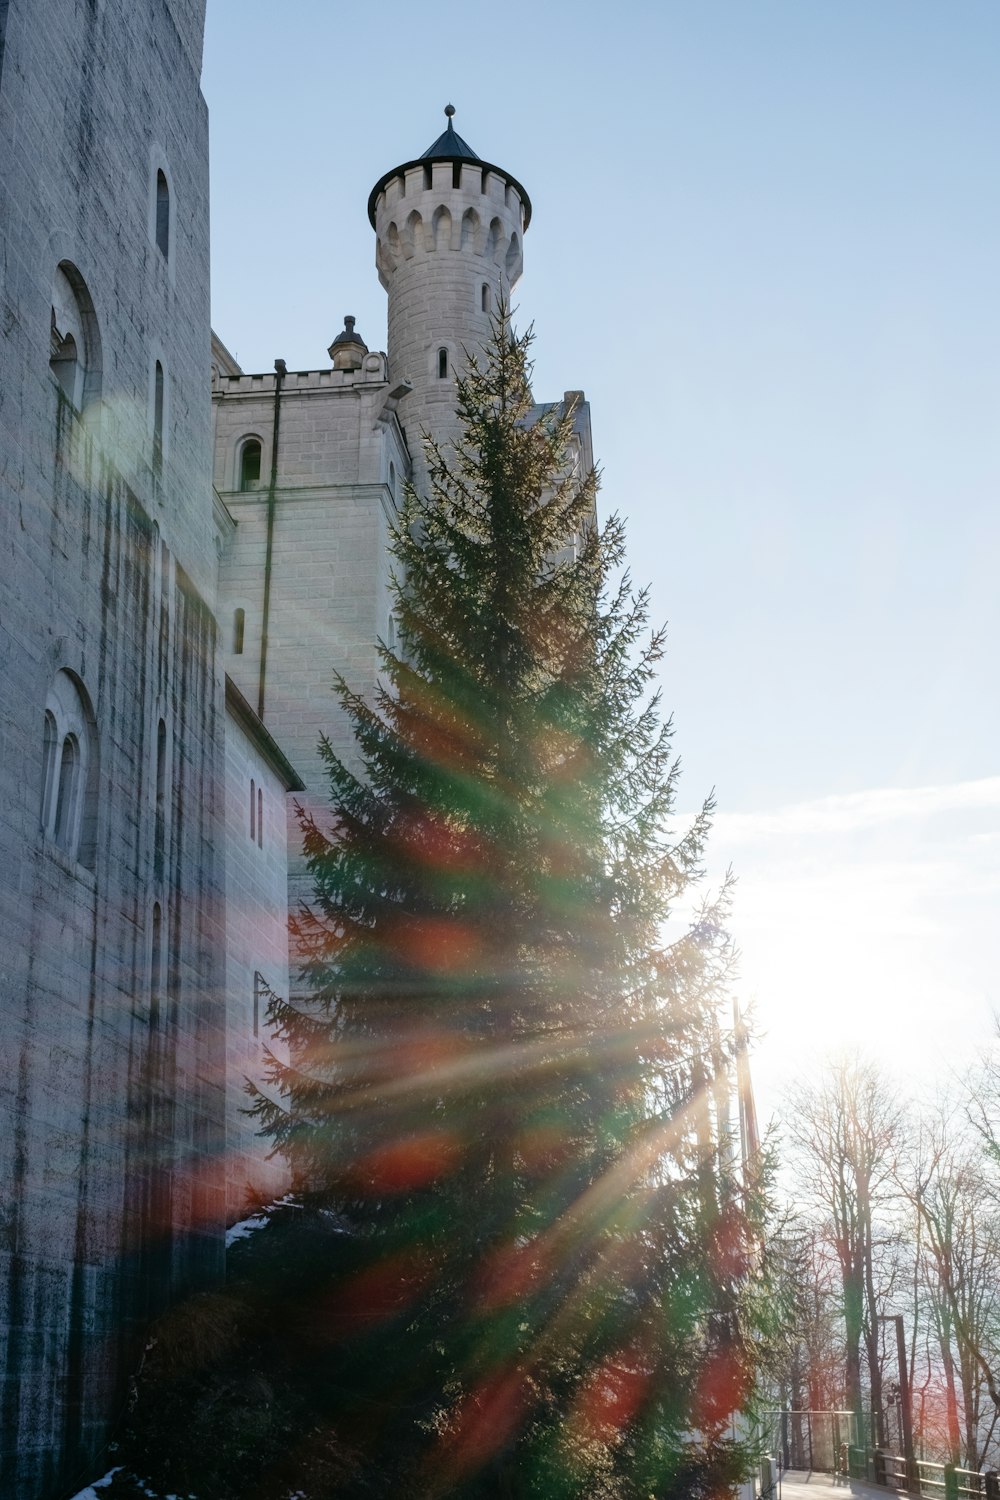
x: 160, y: 823
x: 260, y: 819
x: 69, y: 770
x: 442, y: 364
x: 484, y: 297
x: 239, y: 625
x: 428, y: 175
x: 253, y: 810
x: 158, y: 419
x: 250, y: 465
x: 74, y: 339
x: 156, y: 962
x: 162, y: 214
x: 50, y: 746
x: 68, y: 795
x: 392, y: 480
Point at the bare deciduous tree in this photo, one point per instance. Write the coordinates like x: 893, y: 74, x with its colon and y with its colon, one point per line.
x: 847, y: 1133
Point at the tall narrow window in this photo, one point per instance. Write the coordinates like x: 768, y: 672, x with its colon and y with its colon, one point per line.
x: 392, y: 480
x: 68, y: 794
x: 428, y: 175
x: 260, y: 819
x: 162, y: 214
x: 69, y: 770
x: 239, y: 625
x: 253, y: 809
x: 160, y: 826
x: 50, y: 746
x: 156, y: 963
x: 442, y: 364
x: 258, y: 986
x: 158, y: 420
x: 250, y: 465
x: 484, y: 297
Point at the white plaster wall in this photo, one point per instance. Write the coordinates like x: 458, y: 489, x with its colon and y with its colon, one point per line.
x: 256, y: 943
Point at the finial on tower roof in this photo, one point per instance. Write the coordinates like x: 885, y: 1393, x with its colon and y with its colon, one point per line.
x: 449, y: 110
x: 348, y: 348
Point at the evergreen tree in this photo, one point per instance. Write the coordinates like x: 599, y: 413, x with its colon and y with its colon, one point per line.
x: 499, y: 1077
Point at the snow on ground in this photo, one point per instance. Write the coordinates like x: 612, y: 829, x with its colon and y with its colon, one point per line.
x: 90, y: 1493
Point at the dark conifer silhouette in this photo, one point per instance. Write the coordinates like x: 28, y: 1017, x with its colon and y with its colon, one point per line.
x: 498, y: 1076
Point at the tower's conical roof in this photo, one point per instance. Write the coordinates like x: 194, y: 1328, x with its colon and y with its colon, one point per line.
x: 449, y: 146
x: 449, y: 143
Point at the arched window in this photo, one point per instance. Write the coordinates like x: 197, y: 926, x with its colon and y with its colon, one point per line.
x: 50, y: 746
x: 74, y: 339
x: 158, y: 419
x: 68, y: 790
x: 239, y: 625
x: 250, y: 465
x: 162, y: 214
x: 69, y: 770
x: 442, y: 364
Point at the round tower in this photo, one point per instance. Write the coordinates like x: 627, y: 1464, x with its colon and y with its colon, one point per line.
x: 449, y: 231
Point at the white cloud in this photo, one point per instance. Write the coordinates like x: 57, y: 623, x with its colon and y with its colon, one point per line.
x: 861, y: 810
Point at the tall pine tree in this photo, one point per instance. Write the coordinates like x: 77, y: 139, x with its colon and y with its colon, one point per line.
x: 498, y: 1079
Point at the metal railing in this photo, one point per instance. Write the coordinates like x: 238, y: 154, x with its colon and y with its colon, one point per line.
x: 934, y: 1481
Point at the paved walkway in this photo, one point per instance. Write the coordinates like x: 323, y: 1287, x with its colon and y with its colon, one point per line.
x: 796, y: 1484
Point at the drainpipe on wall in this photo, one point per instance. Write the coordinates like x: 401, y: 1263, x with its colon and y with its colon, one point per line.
x: 280, y: 371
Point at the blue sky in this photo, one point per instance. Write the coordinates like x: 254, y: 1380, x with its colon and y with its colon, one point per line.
x: 765, y: 242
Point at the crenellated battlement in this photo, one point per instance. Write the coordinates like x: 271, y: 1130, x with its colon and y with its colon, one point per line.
x: 450, y: 206
x: 373, y: 371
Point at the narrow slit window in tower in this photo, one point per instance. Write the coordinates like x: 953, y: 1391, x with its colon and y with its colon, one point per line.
x: 160, y: 826
x: 162, y: 214
x: 485, y: 297
x: 156, y: 963
x: 158, y: 420
x: 260, y: 819
x: 253, y: 809
x: 239, y: 625
x: 442, y: 364
x: 456, y: 174
x: 428, y: 175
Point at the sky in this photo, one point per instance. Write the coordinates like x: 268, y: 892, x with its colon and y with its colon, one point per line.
x: 766, y: 243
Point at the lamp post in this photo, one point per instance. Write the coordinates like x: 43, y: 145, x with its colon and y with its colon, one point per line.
x: 904, y: 1400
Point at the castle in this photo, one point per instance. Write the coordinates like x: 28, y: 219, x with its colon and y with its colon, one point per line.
x: 186, y: 561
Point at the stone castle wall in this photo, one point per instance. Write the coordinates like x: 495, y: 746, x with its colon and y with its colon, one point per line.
x: 113, y: 1048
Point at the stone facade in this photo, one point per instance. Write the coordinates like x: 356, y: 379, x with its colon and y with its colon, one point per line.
x: 112, y: 1098
x: 338, y: 461
x: 258, y: 780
